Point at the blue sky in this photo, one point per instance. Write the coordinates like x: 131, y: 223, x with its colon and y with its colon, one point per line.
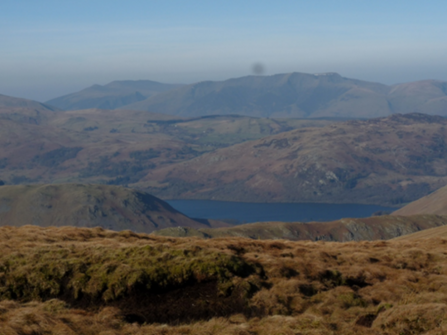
x: 50, y: 48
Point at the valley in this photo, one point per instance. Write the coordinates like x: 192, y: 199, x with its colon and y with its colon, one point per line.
x: 88, y: 251
x: 223, y: 168
x: 385, y: 161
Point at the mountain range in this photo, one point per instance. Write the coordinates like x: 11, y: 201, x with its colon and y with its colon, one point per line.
x: 388, y: 161
x: 297, y: 95
x: 113, y: 95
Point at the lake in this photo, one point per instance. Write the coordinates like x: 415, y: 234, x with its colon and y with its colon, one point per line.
x: 244, y: 212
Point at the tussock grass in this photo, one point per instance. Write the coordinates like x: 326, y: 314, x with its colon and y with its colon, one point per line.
x: 94, y: 281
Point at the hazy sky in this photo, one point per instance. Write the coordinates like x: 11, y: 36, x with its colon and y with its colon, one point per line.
x: 50, y: 48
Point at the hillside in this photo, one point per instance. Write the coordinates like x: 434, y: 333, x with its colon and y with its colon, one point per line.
x: 299, y: 95
x: 116, y: 146
x: 94, y: 281
x: 19, y: 103
x: 437, y: 232
x: 434, y: 203
x: 79, y: 205
x: 113, y: 95
x: 385, y: 161
x: 344, y: 230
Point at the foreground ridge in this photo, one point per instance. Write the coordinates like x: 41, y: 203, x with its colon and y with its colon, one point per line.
x: 87, y: 281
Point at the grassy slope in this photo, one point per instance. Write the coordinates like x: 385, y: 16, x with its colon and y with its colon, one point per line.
x: 80, y: 205
x: 434, y: 203
x: 440, y: 232
x: 92, y: 281
x: 374, y: 228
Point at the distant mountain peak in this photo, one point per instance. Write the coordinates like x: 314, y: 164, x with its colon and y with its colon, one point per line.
x: 291, y: 95
x: 327, y: 74
x: 112, y: 95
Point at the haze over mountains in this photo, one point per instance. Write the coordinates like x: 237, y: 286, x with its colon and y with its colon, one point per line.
x: 386, y: 161
x: 283, y: 95
x: 113, y: 95
x: 13, y: 103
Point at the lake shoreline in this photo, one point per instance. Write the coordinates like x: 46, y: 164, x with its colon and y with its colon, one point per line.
x: 249, y: 212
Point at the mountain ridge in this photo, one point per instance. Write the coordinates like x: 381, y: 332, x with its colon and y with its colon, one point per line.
x: 300, y: 95
x: 112, y: 95
x: 10, y: 102
x: 296, y: 95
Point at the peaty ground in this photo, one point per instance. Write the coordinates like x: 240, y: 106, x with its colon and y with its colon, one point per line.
x: 93, y: 281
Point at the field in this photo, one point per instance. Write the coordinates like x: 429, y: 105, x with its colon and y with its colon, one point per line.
x: 93, y: 281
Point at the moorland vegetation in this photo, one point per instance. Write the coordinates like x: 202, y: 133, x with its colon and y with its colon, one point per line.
x: 93, y: 281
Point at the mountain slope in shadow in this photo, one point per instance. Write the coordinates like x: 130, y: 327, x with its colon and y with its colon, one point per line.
x: 86, y: 205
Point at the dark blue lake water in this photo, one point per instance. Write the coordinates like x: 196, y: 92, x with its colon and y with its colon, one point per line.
x: 244, y: 212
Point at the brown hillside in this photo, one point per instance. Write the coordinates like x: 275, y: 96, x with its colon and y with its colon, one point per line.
x: 367, y: 229
x: 93, y: 281
x: 26, y: 115
x: 13, y: 102
x: 115, y: 147
x: 79, y: 205
x: 385, y: 161
x: 434, y: 203
x: 440, y: 232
